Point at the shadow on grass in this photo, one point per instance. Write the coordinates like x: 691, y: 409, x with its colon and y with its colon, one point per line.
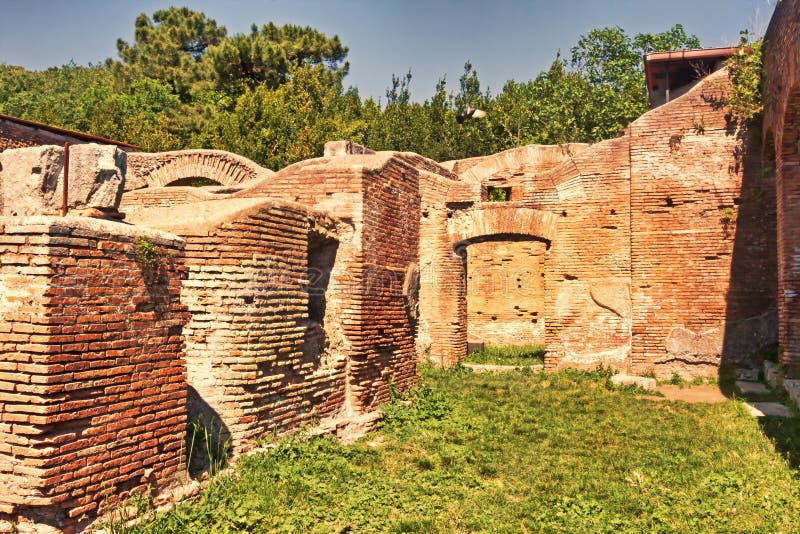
x: 785, y: 435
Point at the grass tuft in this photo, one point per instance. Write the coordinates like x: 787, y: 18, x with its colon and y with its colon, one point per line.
x: 508, y: 355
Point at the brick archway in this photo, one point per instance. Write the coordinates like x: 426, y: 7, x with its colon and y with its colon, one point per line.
x: 504, y: 249
x: 164, y: 168
x: 506, y: 219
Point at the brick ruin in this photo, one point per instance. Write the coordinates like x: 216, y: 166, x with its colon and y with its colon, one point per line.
x: 781, y: 160
x: 276, y: 300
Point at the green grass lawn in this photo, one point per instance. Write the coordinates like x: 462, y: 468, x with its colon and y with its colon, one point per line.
x: 518, y: 452
x: 508, y: 355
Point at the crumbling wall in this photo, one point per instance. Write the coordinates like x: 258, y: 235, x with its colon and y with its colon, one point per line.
x: 441, y: 336
x: 696, y: 200
x: 781, y: 98
x: 375, y: 200
x: 249, y: 267
x: 92, y: 378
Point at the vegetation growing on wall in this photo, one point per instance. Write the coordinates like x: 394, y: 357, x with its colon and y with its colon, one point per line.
x: 746, y: 71
x: 277, y: 93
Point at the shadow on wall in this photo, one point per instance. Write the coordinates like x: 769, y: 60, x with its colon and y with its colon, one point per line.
x: 751, y: 323
x: 322, y: 252
x: 208, y: 440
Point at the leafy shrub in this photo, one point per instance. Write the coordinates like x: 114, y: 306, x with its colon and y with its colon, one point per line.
x: 745, y: 69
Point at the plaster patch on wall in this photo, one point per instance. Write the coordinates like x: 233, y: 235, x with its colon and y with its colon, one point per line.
x: 686, y: 342
x: 573, y: 355
x: 613, y: 295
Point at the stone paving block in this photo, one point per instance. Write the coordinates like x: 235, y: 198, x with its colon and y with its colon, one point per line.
x: 768, y: 409
x: 641, y: 381
x: 751, y: 388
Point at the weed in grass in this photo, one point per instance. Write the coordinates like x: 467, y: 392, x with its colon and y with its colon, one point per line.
x: 208, y: 447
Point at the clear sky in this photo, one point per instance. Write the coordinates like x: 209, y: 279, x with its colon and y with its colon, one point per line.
x: 504, y: 39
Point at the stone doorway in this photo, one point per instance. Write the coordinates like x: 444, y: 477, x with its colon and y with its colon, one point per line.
x: 505, y: 292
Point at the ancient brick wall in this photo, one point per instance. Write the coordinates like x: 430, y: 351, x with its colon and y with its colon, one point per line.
x: 375, y: 199
x: 781, y: 98
x: 162, y: 197
x: 672, y: 220
x: 694, y: 303
x: 384, y: 351
x: 247, y: 290
x: 92, y: 378
x: 505, y: 292
x: 441, y: 337
x: 18, y: 133
x: 587, y: 277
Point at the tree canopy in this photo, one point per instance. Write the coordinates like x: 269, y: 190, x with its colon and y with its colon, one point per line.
x: 277, y: 93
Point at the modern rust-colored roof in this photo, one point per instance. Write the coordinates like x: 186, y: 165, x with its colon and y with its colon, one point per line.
x: 63, y: 131
x: 676, y: 70
x: 689, y: 55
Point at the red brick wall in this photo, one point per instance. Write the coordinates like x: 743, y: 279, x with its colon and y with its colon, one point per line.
x: 663, y: 256
x: 375, y: 201
x: 693, y: 305
x: 587, y: 273
x: 505, y: 292
x: 92, y: 379
x: 384, y: 351
x: 441, y: 336
x: 781, y: 99
x: 246, y: 289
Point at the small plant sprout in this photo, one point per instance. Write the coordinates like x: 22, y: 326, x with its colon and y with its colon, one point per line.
x: 150, y: 260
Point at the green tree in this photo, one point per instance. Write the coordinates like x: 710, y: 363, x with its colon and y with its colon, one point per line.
x: 277, y: 127
x: 613, y: 64
x: 169, y: 47
x: 265, y: 56
x: 550, y: 109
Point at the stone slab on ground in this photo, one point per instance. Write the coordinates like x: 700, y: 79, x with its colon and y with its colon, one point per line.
x: 643, y: 382
x: 706, y: 394
x: 768, y: 409
x: 484, y: 368
x: 751, y: 388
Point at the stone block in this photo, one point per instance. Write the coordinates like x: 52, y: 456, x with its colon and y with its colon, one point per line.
x: 773, y: 374
x: 792, y: 387
x: 643, y: 382
x: 345, y: 148
x: 767, y: 409
x: 96, y: 176
x: 751, y: 388
x: 32, y: 179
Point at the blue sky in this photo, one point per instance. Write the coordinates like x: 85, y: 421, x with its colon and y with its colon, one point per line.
x: 504, y: 39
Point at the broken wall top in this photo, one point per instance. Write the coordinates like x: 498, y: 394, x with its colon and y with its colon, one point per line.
x: 32, y: 179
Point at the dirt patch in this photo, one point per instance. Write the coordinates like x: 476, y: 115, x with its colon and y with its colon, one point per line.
x: 706, y: 393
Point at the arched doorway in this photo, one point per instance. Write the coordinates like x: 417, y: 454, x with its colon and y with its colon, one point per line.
x: 504, y: 252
